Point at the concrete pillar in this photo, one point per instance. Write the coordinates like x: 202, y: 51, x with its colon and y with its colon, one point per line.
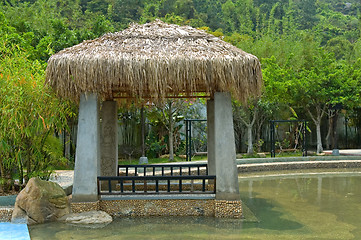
x: 87, y: 154
x: 109, y: 139
x: 210, y: 138
x: 224, y: 148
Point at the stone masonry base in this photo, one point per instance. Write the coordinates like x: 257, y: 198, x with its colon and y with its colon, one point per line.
x: 164, y: 208
x: 5, y: 214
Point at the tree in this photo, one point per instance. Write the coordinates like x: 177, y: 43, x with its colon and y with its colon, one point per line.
x: 171, y: 110
x: 316, y: 88
x: 247, y: 114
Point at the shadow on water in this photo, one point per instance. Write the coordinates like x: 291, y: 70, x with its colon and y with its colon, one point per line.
x: 268, y: 217
x: 139, y: 228
x: 177, y: 227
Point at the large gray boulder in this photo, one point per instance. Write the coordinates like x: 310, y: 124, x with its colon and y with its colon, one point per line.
x: 40, y: 201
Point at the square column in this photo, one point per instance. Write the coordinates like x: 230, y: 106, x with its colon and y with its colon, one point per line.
x: 87, y: 164
x: 221, y: 146
x: 109, y: 139
x: 210, y: 138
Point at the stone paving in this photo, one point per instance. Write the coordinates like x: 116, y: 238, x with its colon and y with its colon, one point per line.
x: 346, y: 152
x: 63, y: 177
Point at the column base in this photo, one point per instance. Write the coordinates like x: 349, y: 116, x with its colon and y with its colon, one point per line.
x: 84, y: 198
x: 228, y: 196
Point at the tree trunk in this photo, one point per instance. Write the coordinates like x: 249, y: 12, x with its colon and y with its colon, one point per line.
x: 240, y: 142
x: 249, y: 124
x: 170, y: 137
x: 259, y: 131
x: 249, y: 139
x: 334, y: 131
x: 319, y: 140
x: 142, y: 119
x: 258, y: 138
x: 329, y: 132
x: 317, y: 120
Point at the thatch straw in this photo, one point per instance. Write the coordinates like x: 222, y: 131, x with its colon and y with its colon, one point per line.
x: 154, y: 60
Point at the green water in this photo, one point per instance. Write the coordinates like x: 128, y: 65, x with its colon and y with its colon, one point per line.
x: 293, y: 205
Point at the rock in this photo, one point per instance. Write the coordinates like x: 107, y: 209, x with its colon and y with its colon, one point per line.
x: 40, y: 201
x: 164, y: 156
x: 336, y: 152
x: 143, y: 160
x: 92, y: 219
x: 182, y: 156
x: 261, y: 155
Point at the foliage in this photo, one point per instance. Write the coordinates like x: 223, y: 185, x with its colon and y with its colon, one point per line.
x: 167, y: 116
x: 29, y: 116
x: 310, y: 53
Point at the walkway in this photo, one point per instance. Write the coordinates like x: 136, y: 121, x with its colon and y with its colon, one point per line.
x: 345, y: 152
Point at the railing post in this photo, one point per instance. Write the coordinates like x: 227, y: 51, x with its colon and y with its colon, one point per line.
x: 190, y: 141
x: 186, y: 139
x: 109, y: 185
x: 214, y: 185
x: 98, y: 185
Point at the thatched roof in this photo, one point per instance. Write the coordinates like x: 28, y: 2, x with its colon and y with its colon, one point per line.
x: 154, y: 60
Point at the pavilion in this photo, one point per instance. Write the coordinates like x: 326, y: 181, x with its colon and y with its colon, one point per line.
x: 149, y: 63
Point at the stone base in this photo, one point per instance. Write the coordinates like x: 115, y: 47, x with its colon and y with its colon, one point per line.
x: 6, y: 213
x: 164, y: 208
x: 228, y: 209
x: 78, y: 207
